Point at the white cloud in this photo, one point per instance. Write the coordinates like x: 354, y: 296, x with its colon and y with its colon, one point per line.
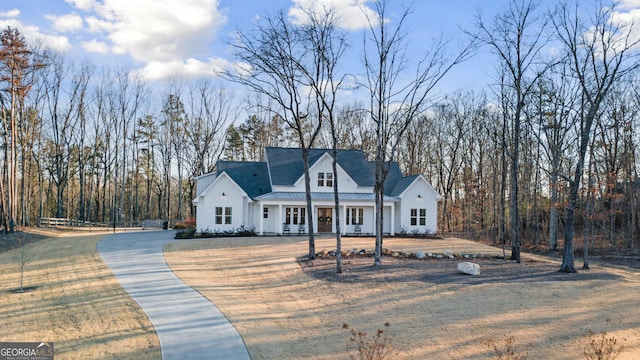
x: 85, y: 5
x: 156, y: 70
x: 629, y: 21
x: 629, y: 4
x: 96, y: 46
x: 34, y: 36
x: 97, y: 26
x: 352, y: 14
x: 64, y: 23
x: 10, y: 14
x: 157, y: 30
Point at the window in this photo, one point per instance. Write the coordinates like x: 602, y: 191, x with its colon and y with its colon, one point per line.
x: 265, y: 213
x: 415, y: 219
x: 355, y: 216
x: 218, y: 215
x: 287, y: 216
x: 294, y: 215
x: 423, y: 217
x: 325, y: 179
x: 227, y: 215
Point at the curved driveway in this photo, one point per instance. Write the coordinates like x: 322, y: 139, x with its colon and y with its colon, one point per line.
x: 188, y: 325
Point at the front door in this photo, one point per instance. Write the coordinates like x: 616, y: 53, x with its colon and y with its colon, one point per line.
x: 325, y: 216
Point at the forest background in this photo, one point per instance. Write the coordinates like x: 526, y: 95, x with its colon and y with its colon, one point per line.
x: 106, y: 146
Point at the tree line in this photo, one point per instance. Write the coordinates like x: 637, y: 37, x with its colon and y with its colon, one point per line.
x: 548, y: 149
x: 88, y: 144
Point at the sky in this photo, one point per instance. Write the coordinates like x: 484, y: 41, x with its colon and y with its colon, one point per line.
x: 167, y: 38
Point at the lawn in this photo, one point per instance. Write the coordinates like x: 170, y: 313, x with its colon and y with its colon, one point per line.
x: 287, y: 309
x: 75, y: 302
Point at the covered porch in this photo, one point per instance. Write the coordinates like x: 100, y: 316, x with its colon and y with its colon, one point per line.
x: 284, y: 213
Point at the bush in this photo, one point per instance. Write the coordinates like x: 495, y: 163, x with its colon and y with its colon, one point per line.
x: 207, y: 233
x: 377, y: 347
x: 186, y: 224
x: 508, y: 350
x: 186, y: 234
x: 601, y: 347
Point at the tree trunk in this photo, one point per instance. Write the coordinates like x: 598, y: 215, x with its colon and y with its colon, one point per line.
x: 307, y: 186
x: 336, y: 200
x: 553, y: 213
x: 567, y: 257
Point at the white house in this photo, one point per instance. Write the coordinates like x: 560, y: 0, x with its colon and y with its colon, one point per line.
x: 270, y: 196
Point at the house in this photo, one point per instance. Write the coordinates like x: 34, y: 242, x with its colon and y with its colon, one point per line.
x: 270, y: 196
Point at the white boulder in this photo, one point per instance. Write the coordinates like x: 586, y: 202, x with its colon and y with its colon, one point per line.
x: 469, y: 268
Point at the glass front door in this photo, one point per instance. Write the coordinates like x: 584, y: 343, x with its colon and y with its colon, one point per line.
x: 325, y: 217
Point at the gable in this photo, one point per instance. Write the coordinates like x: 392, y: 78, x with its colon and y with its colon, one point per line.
x: 286, y: 166
x: 415, y: 182
x: 251, y: 177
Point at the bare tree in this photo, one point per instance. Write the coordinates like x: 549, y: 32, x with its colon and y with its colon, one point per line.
x: 394, y: 101
x: 274, y: 60
x: 17, y: 64
x: 209, y: 110
x: 65, y: 88
x: 600, y: 51
x: 517, y: 37
x: 327, y: 46
x: 554, y: 122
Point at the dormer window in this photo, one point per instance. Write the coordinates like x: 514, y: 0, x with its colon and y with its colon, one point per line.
x: 325, y: 179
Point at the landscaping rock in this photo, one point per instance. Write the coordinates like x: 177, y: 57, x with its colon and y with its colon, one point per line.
x: 469, y: 268
x: 448, y: 254
x: 420, y: 255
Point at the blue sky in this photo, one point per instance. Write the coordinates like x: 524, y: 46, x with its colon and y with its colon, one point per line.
x: 165, y: 38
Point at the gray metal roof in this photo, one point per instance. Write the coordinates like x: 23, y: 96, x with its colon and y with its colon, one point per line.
x: 401, y: 185
x: 252, y: 177
x: 286, y: 166
x: 321, y: 196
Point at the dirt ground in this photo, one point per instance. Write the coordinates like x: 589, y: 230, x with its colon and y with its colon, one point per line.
x: 74, y: 301
x: 288, y: 308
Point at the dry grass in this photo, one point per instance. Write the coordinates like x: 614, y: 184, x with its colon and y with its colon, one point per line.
x: 284, y: 313
x: 77, y: 303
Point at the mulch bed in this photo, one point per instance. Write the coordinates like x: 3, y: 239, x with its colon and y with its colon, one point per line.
x: 359, y: 268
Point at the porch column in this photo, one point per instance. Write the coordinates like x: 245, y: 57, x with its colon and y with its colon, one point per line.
x: 279, y: 225
x: 343, y: 218
x: 261, y: 211
x: 392, y: 231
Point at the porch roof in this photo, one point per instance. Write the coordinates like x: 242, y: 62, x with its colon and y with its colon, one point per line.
x: 321, y: 196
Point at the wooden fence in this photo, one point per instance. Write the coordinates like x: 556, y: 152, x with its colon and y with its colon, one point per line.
x: 73, y: 223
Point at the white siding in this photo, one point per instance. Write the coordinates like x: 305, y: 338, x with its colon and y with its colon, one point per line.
x: 213, y: 197
x: 418, y: 196
x: 325, y: 165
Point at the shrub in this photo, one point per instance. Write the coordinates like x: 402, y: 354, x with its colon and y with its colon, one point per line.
x: 377, y: 347
x: 186, y: 224
x: 185, y: 234
x: 508, y: 350
x: 601, y: 347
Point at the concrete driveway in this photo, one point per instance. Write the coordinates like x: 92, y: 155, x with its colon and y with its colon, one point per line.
x: 187, y: 324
